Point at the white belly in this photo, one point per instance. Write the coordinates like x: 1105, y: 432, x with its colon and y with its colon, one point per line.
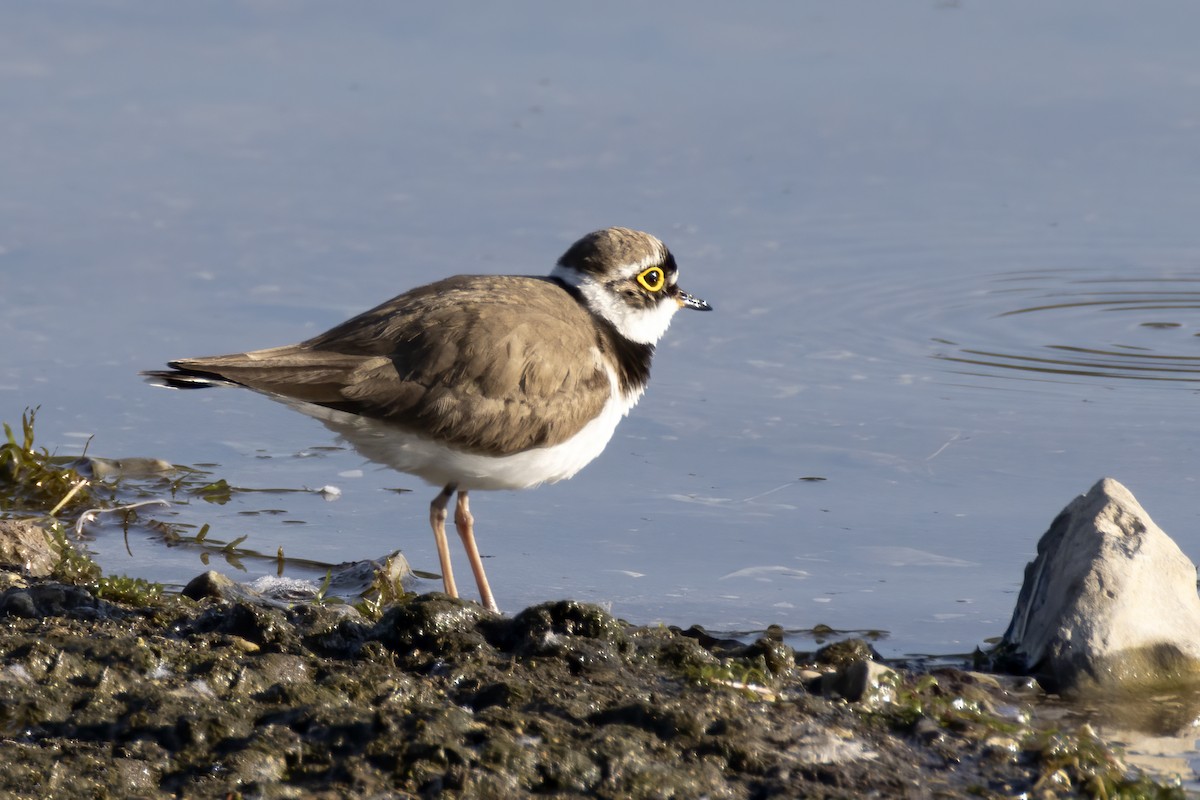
x: 441, y: 465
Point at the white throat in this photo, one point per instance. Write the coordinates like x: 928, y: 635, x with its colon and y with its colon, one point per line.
x: 643, y: 325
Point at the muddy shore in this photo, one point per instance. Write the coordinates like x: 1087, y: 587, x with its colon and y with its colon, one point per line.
x: 111, y: 687
x: 226, y: 696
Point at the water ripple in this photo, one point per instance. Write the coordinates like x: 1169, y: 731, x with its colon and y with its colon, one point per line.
x: 1069, y: 325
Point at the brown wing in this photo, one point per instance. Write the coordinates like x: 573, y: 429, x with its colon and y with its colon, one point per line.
x: 489, y: 364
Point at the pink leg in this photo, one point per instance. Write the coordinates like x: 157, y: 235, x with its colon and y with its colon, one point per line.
x: 466, y: 530
x: 437, y: 520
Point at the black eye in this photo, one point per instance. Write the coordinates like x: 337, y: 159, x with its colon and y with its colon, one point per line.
x: 653, y: 279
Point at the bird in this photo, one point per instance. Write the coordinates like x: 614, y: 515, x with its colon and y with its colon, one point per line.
x: 479, y: 382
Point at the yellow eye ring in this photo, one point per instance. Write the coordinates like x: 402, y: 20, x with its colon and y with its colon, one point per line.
x: 653, y: 279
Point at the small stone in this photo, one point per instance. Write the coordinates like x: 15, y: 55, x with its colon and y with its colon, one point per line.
x: 1109, y: 601
x: 48, y: 600
x: 209, y: 584
x: 245, y: 645
x: 990, y: 682
x: 776, y: 656
x: 831, y: 746
x: 216, y: 586
x: 860, y: 681
x: 928, y: 731
x: 846, y: 652
x: 113, y: 468
x: 1002, y: 748
x: 25, y: 547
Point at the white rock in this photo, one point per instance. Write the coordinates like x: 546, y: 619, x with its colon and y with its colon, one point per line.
x: 862, y: 681
x: 1110, y: 600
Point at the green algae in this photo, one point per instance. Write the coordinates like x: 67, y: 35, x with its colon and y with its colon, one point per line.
x: 32, y: 480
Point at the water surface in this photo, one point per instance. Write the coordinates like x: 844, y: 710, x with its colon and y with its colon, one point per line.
x: 952, y: 250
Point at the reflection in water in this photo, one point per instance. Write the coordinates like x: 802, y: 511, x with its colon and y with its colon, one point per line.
x: 1158, y: 731
x: 1059, y: 304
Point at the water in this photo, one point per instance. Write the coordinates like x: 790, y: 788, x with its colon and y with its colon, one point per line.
x: 952, y: 251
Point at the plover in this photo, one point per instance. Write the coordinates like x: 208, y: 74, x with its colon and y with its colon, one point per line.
x: 479, y: 381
